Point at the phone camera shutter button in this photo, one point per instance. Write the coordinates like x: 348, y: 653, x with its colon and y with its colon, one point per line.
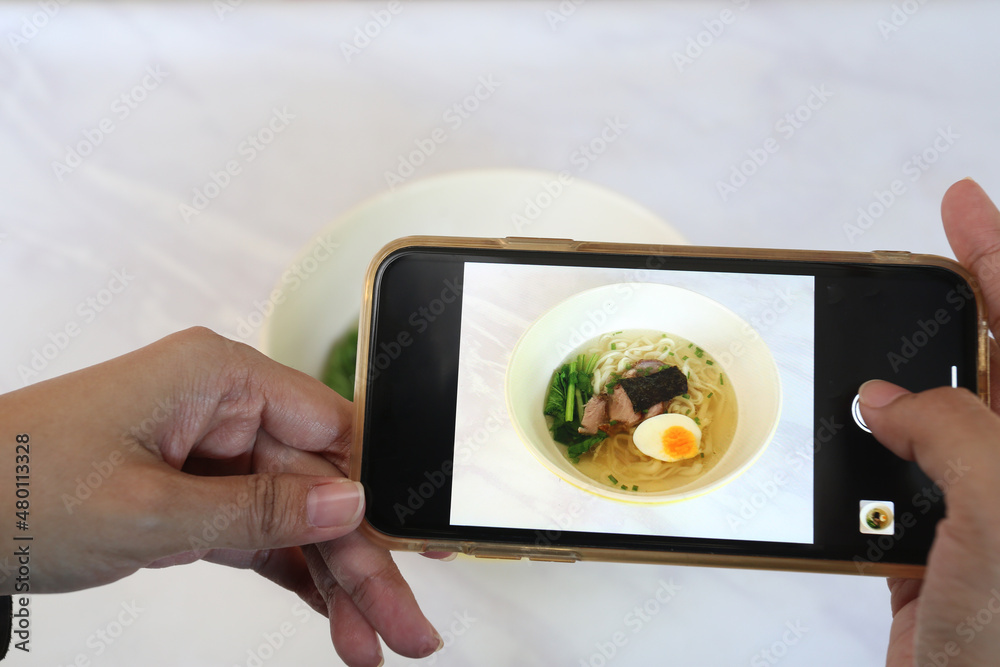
x: 856, y: 413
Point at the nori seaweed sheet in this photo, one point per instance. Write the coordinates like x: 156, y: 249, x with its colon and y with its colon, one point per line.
x: 647, y: 390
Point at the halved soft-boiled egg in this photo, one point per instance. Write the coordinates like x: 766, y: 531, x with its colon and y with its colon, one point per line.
x: 668, y: 437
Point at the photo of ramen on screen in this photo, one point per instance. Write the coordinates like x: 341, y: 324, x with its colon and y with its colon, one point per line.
x: 630, y: 414
x: 666, y: 403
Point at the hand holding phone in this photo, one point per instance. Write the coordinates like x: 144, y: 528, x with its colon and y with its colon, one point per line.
x: 949, y: 617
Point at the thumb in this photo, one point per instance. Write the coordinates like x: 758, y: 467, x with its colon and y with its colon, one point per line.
x: 949, y: 432
x: 261, y: 511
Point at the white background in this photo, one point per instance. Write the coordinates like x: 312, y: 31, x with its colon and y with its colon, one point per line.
x: 560, y: 83
x: 498, y: 482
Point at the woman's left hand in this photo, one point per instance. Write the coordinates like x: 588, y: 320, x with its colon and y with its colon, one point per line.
x: 200, y: 447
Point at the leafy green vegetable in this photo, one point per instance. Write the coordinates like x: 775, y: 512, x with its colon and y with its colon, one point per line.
x: 338, y: 373
x: 584, y: 446
x: 566, y: 432
x: 571, y: 393
x: 572, y: 386
x: 555, y: 400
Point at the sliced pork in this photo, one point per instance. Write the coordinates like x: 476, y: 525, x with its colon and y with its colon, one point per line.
x: 621, y: 409
x: 656, y: 409
x: 595, y: 413
x: 652, y: 365
x: 644, y: 367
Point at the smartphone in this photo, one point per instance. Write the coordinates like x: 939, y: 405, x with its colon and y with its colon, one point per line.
x: 562, y: 400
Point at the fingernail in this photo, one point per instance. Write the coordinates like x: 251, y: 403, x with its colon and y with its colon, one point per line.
x: 381, y: 657
x: 879, y: 393
x: 339, y: 503
x: 439, y: 640
x: 969, y: 178
x: 450, y: 557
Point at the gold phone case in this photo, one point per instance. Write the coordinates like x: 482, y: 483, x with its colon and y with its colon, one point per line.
x: 572, y: 554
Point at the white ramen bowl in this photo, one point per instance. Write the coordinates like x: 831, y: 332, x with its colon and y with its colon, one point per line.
x: 739, y: 350
x: 312, y: 313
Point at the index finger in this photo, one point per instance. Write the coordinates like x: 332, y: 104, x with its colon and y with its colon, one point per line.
x: 302, y: 412
x: 206, y: 395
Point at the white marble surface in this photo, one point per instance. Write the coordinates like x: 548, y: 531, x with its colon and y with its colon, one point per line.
x: 677, y: 132
x: 497, y: 481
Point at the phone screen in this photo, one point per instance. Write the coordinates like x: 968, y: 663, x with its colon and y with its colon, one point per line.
x: 501, y: 485
x: 753, y: 446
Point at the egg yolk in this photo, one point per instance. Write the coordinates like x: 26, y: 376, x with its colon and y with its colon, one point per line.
x: 679, y: 443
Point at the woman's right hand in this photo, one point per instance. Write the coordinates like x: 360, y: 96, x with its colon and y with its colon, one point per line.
x: 952, y: 617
